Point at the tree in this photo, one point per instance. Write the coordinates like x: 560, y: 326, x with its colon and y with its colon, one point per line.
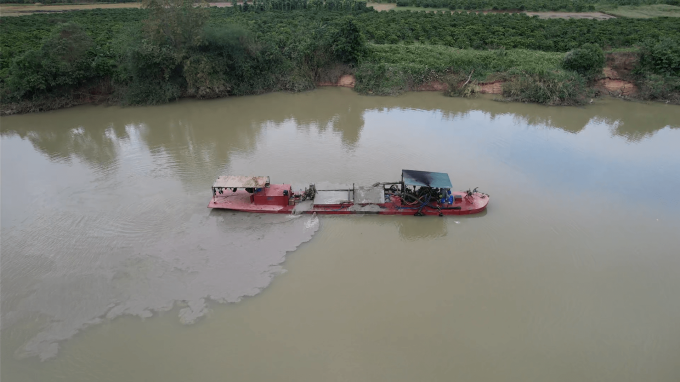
x: 177, y: 23
x: 60, y: 64
x: 349, y: 44
x: 662, y: 57
x: 588, y: 60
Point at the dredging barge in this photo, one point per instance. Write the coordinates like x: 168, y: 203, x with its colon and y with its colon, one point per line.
x: 418, y: 193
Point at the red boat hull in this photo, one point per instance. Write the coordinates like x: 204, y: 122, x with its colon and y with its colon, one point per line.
x: 241, y: 200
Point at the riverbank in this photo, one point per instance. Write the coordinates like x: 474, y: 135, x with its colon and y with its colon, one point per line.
x: 396, y: 69
x: 616, y: 80
x: 129, y: 57
x: 612, y: 84
x: 608, y: 86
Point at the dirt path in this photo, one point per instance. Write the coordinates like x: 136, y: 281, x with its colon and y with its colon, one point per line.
x: 571, y: 15
x: 542, y: 15
x: 381, y: 6
x: 27, y: 9
x: 21, y: 9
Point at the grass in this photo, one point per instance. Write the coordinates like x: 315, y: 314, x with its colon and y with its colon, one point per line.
x: 641, y: 11
x: 551, y: 88
x: 439, y: 58
x: 393, y: 69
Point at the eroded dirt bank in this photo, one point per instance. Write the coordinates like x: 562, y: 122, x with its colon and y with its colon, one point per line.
x: 613, y: 84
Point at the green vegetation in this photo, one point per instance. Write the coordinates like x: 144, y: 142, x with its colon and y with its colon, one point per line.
x: 60, y: 64
x: 510, y: 31
x: 656, y: 87
x: 174, y: 49
x: 393, y: 69
x: 518, y: 5
x: 641, y: 11
x: 658, y: 71
x: 19, y: 34
x: 174, y: 52
x: 625, y: 8
x: 533, y: 76
x: 550, y: 88
x: 587, y: 60
x: 661, y: 57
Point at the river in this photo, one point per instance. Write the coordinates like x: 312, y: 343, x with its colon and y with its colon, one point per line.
x: 113, y: 269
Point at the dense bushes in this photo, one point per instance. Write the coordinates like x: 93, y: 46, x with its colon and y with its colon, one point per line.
x: 661, y: 57
x: 531, y: 76
x: 519, y: 5
x: 526, y: 5
x: 639, y: 2
x: 657, y: 87
x: 393, y: 69
x: 511, y: 31
x: 19, y: 34
x: 349, y: 45
x: 658, y: 70
x: 287, y: 28
x: 588, y: 60
x: 550, y: 88
x: 228, y: 60
x: 177, y: 52
x: 182, y: 50
x: 62, y: 63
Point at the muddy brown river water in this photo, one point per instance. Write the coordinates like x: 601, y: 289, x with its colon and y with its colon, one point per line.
x: 113, y: 269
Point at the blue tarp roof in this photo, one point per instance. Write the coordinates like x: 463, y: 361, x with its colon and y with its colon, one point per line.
x: 426, y: 179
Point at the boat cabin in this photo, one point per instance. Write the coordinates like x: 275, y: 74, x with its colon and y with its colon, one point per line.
x: 262, y: 192
x: 427, y: 185
x: 426, y: 179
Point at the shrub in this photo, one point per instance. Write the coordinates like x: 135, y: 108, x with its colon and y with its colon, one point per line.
x: 380, y: 79
x: 661, y: 57
x: 349, y: 44
x: 150, y: 74
x: 550, y: 88
x: 587, y: 60
x: 59, y: 65
x: 659, y: 88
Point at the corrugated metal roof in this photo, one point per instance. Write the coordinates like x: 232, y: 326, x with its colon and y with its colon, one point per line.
x: 231, y: 181
x: 426, y: 179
